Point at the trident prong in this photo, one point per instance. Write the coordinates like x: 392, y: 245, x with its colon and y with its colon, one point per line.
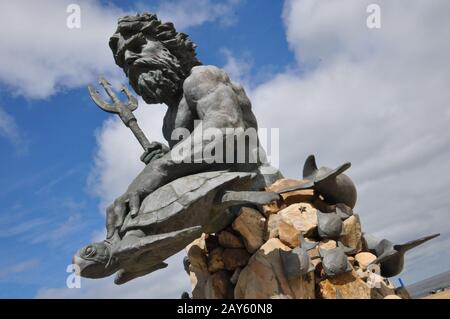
x: 124, y: 110
x: 132, y: 101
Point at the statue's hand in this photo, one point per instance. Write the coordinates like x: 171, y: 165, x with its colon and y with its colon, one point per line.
x: 147, y: 181
x: 155, y: 151
x: 116, y: 212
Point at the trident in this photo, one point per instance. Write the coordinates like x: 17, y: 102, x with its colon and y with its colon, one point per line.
x: 125, y: 111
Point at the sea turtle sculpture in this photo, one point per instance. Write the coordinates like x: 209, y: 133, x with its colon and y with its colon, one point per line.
x: 332, y: 184
x: 329, y: 225
x: 169, y: 219
x: 296, y: 262
x: 334, y: 261
x: 390, y: 256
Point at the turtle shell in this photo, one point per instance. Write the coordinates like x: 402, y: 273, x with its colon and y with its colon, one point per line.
x: 186, y: 202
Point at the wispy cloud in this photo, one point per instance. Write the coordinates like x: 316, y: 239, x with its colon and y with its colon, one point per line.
x: 9, y: 270
x: 57, y: 232
x: 10, y: 130
x: 48, y: 186
x: 238, y: 67
x: 23, y: 228
x: 189, y: 13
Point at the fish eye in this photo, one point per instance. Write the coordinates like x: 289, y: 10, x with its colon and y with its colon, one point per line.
x: 89, y: 251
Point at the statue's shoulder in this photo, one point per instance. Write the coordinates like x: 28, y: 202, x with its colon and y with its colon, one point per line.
x: 203, y: 79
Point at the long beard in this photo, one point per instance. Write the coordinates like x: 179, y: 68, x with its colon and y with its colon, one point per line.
x: 157, y: 79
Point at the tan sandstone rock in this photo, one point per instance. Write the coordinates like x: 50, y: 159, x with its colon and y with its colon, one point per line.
x: 218, y: 286
x: 349, y: 284
x: 234, y: 258
x: 250, y: 224
x: 288, y: 234
x: 352, y: 234
x: 364, y: 259
x: 287, y: 198
x: 198, y: 267
x: 264, y: 277
x: 211, y: 242
x: 215, y: 260
x: 327, y: 244
x: 234, y: 278
x: 229, y: 240
x: 302, y: 216
x: 351, y: 260
x: 273, y: 223
x: 385, y: 288
x: 392, y: 297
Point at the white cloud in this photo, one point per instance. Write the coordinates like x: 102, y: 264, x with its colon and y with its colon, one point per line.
x: 375, y: 97
x: 187, y: 13
x: 166, y: 283
x: 41, y: 55
x: 238, y: 68
x: 9, y: 270
x: 10, y: 130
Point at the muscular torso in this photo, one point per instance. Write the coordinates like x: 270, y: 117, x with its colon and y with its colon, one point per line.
x: 205, y: 82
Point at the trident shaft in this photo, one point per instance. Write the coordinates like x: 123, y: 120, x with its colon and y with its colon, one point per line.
x: 124, y: 110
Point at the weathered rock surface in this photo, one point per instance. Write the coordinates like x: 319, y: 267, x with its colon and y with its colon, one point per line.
x: 273, y: 223
x: 352, y: 234
x: 288, y: 234
x: 244, y: 260
x: 263, y: 277
x: 328, y: 244
x: 234, y: 278
x: 250, y: 224
x: 287, y: 198
x: 364, y: 259
x: 198, y: 267
x: 302, y: 216
x: 349, y: 284
x: 234, y: 258
x: 229, y: 240
x: 215, y: 260
x: 218, y: 286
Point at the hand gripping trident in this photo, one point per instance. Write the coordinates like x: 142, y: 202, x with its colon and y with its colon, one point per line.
x: 125, y: 111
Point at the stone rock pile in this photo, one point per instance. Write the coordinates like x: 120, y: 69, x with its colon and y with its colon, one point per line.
x: 299, y: 247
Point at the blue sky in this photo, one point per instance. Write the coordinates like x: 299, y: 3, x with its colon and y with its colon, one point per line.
x: 47, y: 210
x: 306, y: 67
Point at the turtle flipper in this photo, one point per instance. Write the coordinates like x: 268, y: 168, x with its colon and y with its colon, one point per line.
x: 305, y: 184
x: 249, y: 197
x: 414, y: 243
x: 163, y: 245
x: 332, y: 174
x: 310, y: 167
x: 124, y: 276
x: 385, y: 256
x: 306, y: 245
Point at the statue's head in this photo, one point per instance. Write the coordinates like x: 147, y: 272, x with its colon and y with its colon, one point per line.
x: 154, y: 56
x: 94, y: 260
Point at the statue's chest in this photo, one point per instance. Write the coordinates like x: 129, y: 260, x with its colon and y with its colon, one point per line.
x: 177, y: 118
